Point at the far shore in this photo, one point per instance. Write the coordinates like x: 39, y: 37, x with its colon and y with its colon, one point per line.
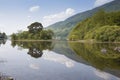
x: 81, y: 41
x: 31, y: 40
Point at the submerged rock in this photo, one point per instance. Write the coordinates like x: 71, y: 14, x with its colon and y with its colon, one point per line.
x: 117, y: 49
x: 103, y: 50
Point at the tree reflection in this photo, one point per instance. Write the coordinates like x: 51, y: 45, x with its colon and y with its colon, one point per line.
x: 2, y: 41
x: 102, y: 56
x: 34, y: 52
x: 93, y: 54
x: 35, y: 49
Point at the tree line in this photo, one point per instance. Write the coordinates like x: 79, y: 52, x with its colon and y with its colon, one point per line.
x: 3, y: 36
x: 35, y: 32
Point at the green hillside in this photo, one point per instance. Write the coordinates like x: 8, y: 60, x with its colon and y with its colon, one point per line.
x: 62, y: 29
x: 101, y: 26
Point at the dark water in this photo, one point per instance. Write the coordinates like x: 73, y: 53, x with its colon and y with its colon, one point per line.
x: 60, y: 60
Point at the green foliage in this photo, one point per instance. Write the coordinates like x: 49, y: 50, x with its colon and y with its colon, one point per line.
x: 35, y: 27
x: 13, y: 36
x: 63, y: 28
x: 105, y: 33
x: 33, y: 33
x: 46, y: 34
x: 26, y: 35
x: 101, y: 26
x: 35, y: 49
x: 3, y: 36
x: 94, y: 55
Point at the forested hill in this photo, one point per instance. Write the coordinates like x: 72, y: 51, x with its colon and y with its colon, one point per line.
x: 62, y: 29
x: 101, y: 26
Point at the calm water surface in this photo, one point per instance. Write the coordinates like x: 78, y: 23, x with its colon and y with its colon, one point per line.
x: 60, y: 60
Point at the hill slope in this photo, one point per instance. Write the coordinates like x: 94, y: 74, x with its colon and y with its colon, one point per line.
x: 101, y: 26
x: 62, y: 29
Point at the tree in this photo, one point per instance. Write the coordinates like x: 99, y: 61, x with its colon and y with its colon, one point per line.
x: 50, y: 33
x: 46, y: 34
x: 4, y: 35
x: 13, y: 36
x: 35, y: 27
x: 36, y: 32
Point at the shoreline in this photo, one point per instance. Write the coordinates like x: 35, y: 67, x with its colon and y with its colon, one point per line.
x: 31, y: 40
x: 81, y: 41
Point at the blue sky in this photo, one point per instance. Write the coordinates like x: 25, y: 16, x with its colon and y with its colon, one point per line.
x: 16, y: 15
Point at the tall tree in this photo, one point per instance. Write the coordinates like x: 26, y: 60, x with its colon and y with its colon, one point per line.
x: 35, y: 27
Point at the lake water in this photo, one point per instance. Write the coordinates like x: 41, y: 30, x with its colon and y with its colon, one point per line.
x: 60, y: 60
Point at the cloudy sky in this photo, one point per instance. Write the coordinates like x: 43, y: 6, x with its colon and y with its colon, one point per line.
x: 16, y: 15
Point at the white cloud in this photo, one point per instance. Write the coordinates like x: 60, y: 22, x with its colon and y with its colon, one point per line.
x: 50, y: 19
x: 101, y: 2
x: 34, y: 8
x: 29, y: 16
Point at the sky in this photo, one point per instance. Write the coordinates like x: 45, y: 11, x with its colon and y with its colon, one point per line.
x: 16, y: 15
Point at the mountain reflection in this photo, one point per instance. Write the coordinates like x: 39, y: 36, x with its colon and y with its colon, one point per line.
x: 35, y: 49
x: 103, y: 56
x: 92, y: 53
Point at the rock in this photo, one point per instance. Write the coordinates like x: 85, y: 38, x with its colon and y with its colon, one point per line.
x: 117, y: 49
x: 103, y: 50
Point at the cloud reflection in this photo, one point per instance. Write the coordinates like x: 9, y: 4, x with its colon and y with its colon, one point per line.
x: 103, y: 75
x: 34, y: 66
x: 52, y: 56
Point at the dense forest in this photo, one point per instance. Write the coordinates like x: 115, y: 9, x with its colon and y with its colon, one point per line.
x: 102, y: 26
x: 35, y: 32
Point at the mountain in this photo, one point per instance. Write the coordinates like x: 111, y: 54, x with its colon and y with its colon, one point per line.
x: 102, y: 26
x: 63, y: 28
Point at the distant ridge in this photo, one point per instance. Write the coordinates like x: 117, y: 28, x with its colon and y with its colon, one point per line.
x: 62, y: 28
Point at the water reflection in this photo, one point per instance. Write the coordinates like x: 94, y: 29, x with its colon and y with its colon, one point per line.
x: 105, y: 57
x: 35, y: 52
x: 2, y: 62
x: 34, y: 66
x: 35, y: 49
x: 2, y: 41
x: 103, y: 75
x: 52, y: 56
x: 102, y: 56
